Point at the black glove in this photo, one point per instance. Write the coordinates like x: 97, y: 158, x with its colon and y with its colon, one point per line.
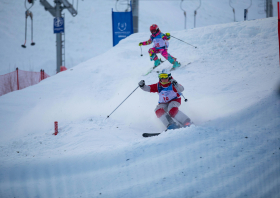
x: 174, y: 82
x: 140, y: 44
x: 141, y: 83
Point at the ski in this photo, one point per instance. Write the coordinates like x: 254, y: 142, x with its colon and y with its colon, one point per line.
x: 152, y: 68
x: 172, y: 69
x: 149, y: 71
x: 150, y: 134
x: 156, y: 134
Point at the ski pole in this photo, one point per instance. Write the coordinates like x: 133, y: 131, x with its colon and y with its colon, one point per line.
x: 25, y: 32
x: 122, y: 102
x: 141, y: 51
x: 183, y: 41
x: 31, y: 16
x: 184, y: 97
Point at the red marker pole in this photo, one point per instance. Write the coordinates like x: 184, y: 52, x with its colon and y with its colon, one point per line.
x: 55, y: 128
x: 17, y: 80
x: 278, y: 28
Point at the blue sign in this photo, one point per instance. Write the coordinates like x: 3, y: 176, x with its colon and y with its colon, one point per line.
x: 58, y: 25
x: 122, y: 25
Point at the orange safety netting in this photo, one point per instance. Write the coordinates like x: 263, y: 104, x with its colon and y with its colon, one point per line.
x: 20, y: 79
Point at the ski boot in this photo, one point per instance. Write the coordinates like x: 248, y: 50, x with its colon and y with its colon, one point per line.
x: 176, y: 64
x: 173, y: 61
x: 172, y: 126
x: 187, y: 124
x: 183, y: 119
x: 157, y: 63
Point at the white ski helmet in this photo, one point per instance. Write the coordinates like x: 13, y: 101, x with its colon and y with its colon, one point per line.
x: 164, y: 74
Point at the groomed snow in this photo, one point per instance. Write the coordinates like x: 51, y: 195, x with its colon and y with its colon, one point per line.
x: 233, y: 150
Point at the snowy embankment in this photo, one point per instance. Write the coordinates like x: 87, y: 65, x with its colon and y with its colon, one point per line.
x: 233, y: 151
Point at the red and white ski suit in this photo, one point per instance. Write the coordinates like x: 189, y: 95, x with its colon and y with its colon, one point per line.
x: 169, y: 101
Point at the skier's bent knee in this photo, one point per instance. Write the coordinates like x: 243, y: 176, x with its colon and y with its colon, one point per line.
x: 160, y: 112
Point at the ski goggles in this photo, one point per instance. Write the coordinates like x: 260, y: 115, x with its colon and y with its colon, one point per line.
x: 163, y: 76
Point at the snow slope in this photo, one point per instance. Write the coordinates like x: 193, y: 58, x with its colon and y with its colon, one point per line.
x: 90, y: 33
x: 233, y: 150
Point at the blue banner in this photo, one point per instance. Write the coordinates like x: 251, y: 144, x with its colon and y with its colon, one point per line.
x: 122, y: 25
x: 58, y: 25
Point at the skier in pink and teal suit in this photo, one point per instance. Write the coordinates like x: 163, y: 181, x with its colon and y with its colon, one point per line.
x: 160, y: 41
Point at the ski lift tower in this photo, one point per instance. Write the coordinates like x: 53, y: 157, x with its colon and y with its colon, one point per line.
x: 56, y: 12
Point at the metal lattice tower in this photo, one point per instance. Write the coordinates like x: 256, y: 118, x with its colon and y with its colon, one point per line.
x: 135, y: 15
x: 269, y: 8
x: 63, y: 45
x: 60, y: 37
x: 134, y: 8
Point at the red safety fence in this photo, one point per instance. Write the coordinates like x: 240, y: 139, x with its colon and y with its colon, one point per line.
x: 20, y: 79
x: 63, y: 68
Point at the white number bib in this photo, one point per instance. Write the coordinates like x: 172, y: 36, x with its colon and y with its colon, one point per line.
x: 167, y: 94
x: 158, y: 42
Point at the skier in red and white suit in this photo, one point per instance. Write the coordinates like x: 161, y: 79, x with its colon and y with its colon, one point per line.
x: 169, y: 100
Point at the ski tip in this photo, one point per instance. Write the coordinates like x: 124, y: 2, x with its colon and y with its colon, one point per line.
x: 144, y: 135
x: 150, y: 134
